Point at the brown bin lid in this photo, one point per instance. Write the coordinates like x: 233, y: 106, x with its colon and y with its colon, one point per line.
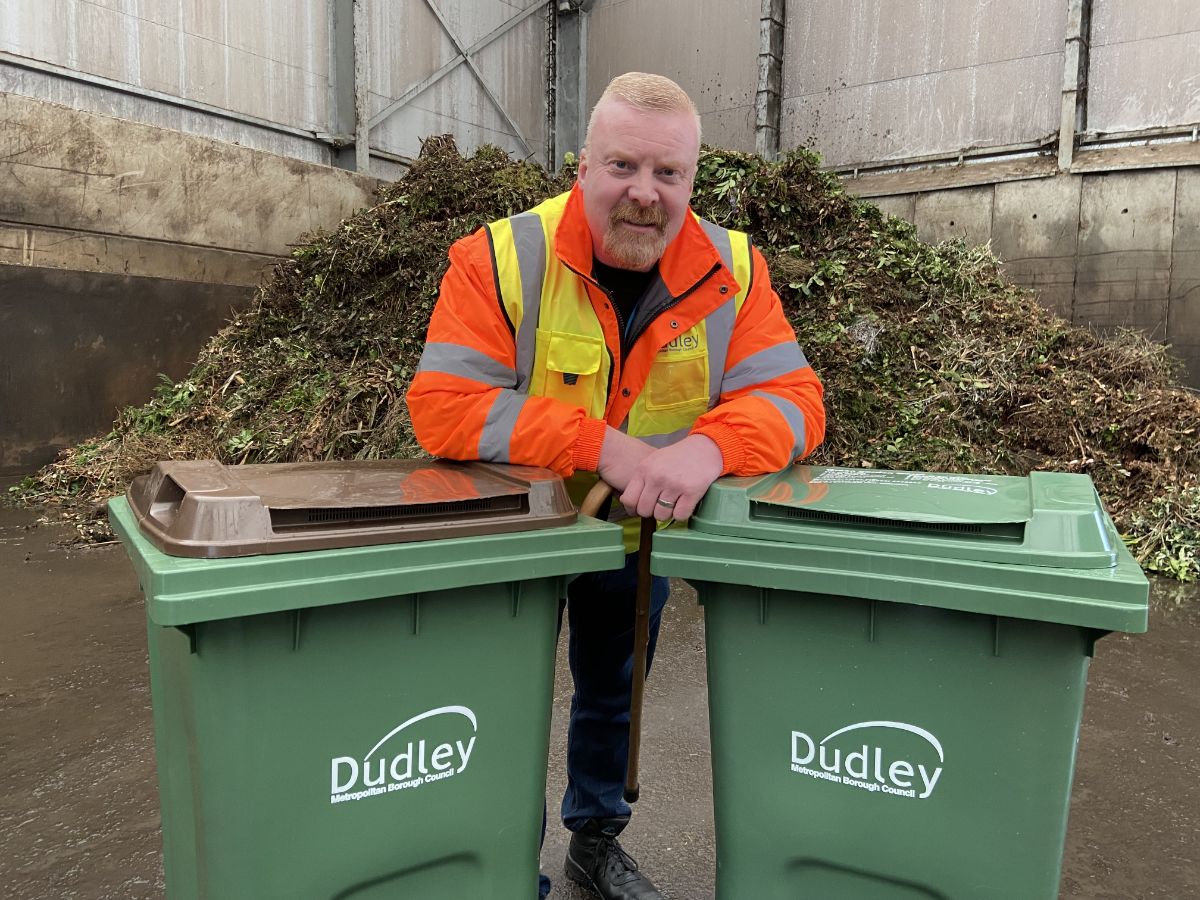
x: 208, y: 510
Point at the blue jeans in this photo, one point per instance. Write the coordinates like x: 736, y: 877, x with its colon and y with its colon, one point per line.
x: 600, y: 616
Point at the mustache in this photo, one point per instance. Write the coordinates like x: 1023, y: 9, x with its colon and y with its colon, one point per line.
x: 627, y: 211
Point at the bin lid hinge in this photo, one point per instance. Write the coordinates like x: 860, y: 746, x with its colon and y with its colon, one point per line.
x: 189, y: 631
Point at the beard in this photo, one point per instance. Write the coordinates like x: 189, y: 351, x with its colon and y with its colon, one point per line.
x: 636, y: 249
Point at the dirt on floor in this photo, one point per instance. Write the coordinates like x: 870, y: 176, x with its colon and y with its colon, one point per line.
x: 79, y: 801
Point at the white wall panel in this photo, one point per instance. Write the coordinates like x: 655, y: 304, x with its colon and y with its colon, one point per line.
x: 100, y: 100
x: 881, y: 80
x: 940, y: 113
x: 408, y: 44
x: 1145, y: 65
x: 267, y: 58
x: 710, y: 47
x: 159, y: 59
x: 1119, y: 21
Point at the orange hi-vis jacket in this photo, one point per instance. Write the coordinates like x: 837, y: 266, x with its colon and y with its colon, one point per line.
x: 525, y: 361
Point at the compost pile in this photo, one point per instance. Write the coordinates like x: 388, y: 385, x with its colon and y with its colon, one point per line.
x: 931, y: 361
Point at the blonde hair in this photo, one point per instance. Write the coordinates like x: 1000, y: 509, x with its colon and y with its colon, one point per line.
x: 655, y: 93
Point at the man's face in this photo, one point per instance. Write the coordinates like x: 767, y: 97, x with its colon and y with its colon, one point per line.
x: 636, y: 176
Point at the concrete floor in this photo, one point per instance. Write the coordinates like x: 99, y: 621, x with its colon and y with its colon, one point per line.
x: 79, y: 801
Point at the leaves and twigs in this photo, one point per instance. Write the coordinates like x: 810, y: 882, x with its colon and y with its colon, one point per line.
x: 930, y: 359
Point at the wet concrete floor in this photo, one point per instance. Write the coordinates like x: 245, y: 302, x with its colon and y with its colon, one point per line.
x: 79, y: 802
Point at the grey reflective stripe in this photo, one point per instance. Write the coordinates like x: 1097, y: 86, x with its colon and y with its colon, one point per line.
x: 529, y: 241
x: 719, y: 324
x: 466, y: 362
x: 499, y: 425
x: 718, y: 332
x: 794, y: 416
x: 720, y: 238
x: 765, y: 365
x: 665, y: 440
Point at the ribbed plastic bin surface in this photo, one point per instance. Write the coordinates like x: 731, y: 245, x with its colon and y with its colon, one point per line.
x: 897, y: 663
x: 363, y: 722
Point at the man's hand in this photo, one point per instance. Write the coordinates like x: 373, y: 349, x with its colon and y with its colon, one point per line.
x: 620, y: 456
x: 668, y: 483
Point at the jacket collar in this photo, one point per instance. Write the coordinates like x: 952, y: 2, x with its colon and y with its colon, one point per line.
x: 686, y: 261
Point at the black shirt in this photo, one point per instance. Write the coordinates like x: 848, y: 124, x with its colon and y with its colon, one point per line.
x: 625, y: 286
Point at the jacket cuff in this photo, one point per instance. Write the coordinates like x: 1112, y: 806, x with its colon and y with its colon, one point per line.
x: 585, y: 454
x: 733, y: 451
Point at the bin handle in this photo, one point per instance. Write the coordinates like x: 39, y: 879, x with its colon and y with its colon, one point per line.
x: 591, y: 505
x: 595, y: 498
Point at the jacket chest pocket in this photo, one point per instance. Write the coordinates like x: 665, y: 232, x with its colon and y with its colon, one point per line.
x: 679, y: 379
x: 569, y: 367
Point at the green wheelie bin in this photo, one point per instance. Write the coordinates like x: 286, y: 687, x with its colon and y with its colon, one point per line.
x: 896, y: 668
x: 351, y: 671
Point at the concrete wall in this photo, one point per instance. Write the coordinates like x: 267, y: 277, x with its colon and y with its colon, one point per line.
x: 73, y: 170
x: 1109, y: 250
x: 123, y: 247
x: 77, y: 346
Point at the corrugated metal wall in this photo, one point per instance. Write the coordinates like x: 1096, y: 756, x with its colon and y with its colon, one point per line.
x: 974, y: 119
x: 408, y: 43
x: 267, y: 58
x: 1145, y: 65
x: 273, y: 63
x: 885, y: 80
x: 710, y: 47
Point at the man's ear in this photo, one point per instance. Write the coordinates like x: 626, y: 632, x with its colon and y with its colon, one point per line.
x: 581, y: 169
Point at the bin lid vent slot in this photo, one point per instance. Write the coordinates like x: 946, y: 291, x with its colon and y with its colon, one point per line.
x: 165, y: 506
x: 991, y: 531
x: 284, y: 519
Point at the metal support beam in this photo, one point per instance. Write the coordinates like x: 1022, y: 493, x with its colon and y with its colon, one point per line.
x: 551, y: 125
x: 1073, y: 118
x: 341, y: 66
x: 341, y: 77
x: 362, y: 84
x: 570, y: 115
x: 768, y: 99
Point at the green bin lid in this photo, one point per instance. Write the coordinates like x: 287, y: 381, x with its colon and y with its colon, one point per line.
x: 1047, y: 519
x: 1039, y: 547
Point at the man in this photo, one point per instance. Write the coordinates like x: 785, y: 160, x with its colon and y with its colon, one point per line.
x: 610, y: 331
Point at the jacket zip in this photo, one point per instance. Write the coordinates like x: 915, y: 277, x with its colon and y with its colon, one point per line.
x: 675, y: 301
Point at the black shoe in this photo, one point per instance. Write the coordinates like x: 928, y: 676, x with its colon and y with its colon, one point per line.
x: 595, y: 860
